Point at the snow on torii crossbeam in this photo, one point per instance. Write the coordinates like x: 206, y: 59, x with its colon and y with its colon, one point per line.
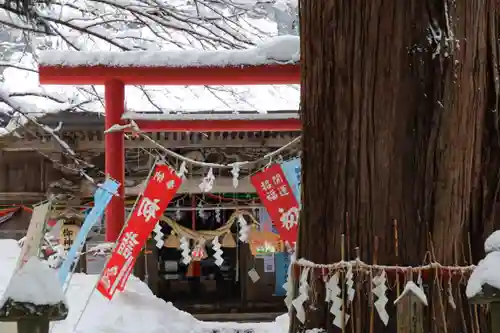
x: 274, y: 62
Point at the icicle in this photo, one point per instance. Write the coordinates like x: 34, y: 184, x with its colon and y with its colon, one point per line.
x: 207, y: 183
x: 244, y: 229
x: 235, y: 171
x: 186, y: 258
x: 298, y: 303
x: 216, y: 246
x: 182, y: 170
x: 380, y: 289
x: 158, y: 236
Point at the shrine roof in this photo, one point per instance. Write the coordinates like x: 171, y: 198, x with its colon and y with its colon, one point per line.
x: 81, y: 121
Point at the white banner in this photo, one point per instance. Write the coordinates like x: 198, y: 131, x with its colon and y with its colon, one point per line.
x: 34, y: 236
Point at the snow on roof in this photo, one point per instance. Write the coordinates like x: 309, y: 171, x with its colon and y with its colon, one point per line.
x: 131, y: 115
x: 34, y: 283
x: 281, y: 49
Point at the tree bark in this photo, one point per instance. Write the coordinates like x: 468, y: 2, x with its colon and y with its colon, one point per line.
x: 399, y: 104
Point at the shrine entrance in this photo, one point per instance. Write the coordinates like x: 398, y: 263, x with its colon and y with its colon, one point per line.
x: 114, y: 70
x: 197, y: 283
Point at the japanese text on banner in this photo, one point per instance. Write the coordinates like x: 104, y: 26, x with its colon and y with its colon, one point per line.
x: 276, y: 195
x: 160, y: 189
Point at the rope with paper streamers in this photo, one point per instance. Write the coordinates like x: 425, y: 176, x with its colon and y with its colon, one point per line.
x: 340, y: 276
x: 207, y: 235
x: 180, y: 238
x: 235, y: 166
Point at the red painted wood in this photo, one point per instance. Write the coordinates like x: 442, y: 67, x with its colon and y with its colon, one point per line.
x: 114, y: 144
x: 276, y: 125
x: 230, y: 75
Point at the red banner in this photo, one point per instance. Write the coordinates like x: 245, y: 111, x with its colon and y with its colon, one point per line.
x: 160, y: 189
x: 277, y: 196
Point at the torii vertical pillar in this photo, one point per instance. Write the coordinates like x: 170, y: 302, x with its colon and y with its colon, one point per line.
x: 114, y: 152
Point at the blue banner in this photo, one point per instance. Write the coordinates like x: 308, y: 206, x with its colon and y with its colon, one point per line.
x: 282, y: 261
x: 102, y: 197
x: 292, y: 170
x: 265, y: 222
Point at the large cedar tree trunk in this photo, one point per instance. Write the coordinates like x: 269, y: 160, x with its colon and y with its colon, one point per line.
x: 399, y: 106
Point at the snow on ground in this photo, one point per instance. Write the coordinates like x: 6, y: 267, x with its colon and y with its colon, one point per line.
x: 134, y: 310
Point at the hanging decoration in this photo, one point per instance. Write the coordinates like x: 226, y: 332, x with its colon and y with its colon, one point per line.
x: 199, y: 252
x: 276, y: 195
x: 207, y: 183
x: 184, y: 246
x: 331, y: 274
x: 235, y: 171
x: 216, y: 246
x: 244, y: 229
x: 303, y: 297
x: 182, y: 170
x: 201, y: 211
x: 379, y: 290
x: 228, y: 240
x: 158, y: 236
x: 217, y: 215
x: 350, y: 283
x: 172, y: 241
x: 178, y: 214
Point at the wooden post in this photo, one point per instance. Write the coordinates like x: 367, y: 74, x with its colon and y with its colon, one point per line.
x: 495, y: 317
x: 38, y: 325
x: 489, y: 296
x: 32, y: 318
x: 410, y: 312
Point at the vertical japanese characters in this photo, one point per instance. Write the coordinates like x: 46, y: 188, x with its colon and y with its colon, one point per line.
x: 282, y: 206
x: 160, y: 189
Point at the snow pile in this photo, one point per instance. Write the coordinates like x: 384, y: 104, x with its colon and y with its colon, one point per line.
x: 34, y: 283
x: 488, y: 269
x: 134, y: 310
x: 281, y: 49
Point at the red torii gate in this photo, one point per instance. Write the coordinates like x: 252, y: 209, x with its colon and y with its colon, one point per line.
x: 114, y: 79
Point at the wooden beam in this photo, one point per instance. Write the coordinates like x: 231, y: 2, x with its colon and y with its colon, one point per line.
x: 22, y: 196
x: 177, y: 76
x: 203, y: 142
x: 190, y: 185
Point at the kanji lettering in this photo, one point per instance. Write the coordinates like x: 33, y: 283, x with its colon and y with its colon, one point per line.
x: 127, y: 245
x: 277, y: 179
x: 148, y: 208
x: 170, y: 184
x: 271, y: 195
x: 283, y: 190
x: 290, y: 218
x: 159, y: 176
x: 266, y: 185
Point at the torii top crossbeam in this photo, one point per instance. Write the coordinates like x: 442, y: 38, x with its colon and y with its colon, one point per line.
x: 274, y: 62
